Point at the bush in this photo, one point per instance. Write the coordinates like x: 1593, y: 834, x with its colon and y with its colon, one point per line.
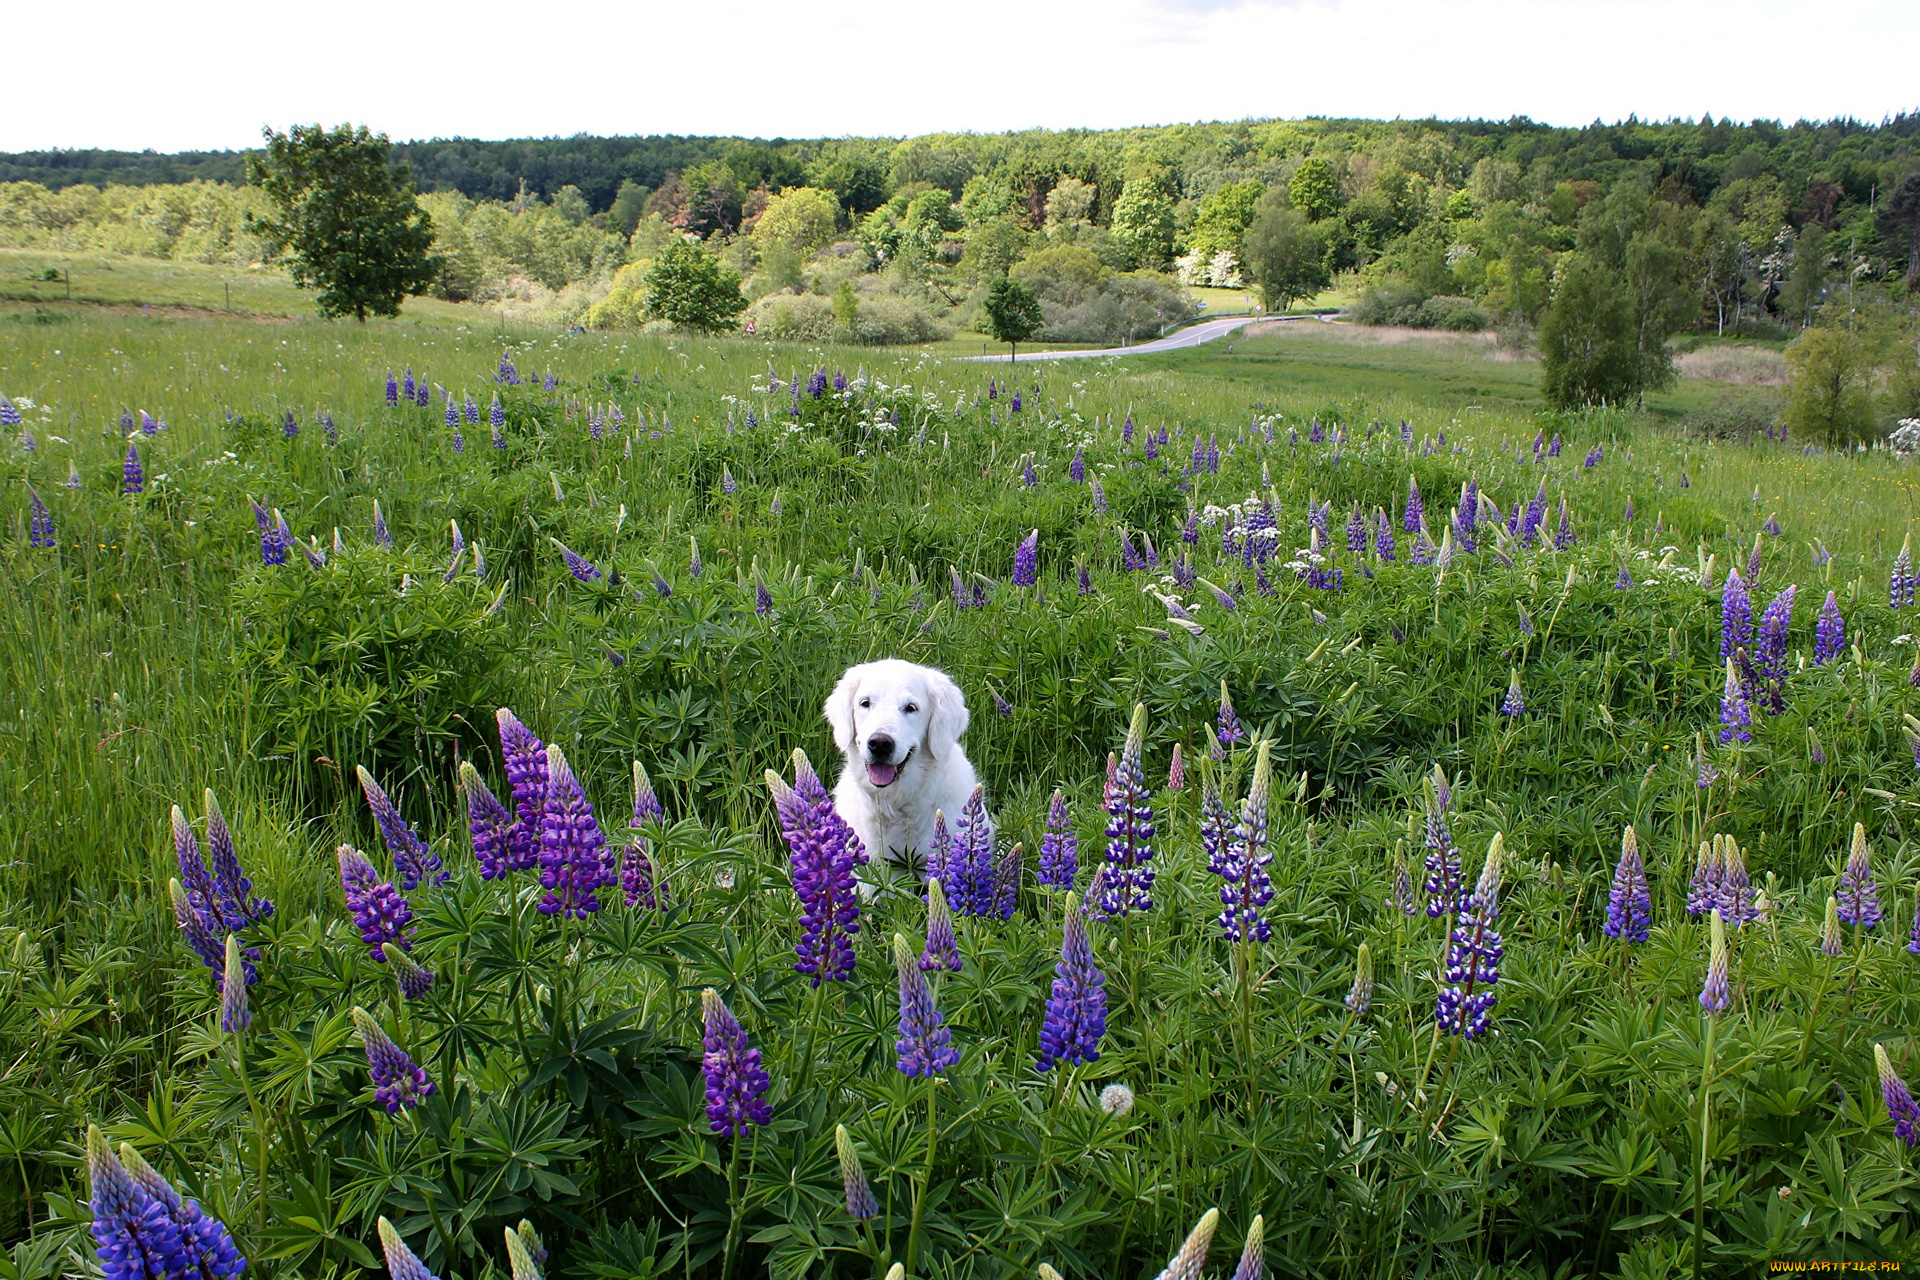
x: 1403, y: 304
x: 1736, y: 417
x: 879, y: 320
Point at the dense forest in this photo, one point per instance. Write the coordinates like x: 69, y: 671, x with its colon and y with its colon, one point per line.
x: 1645, y: 229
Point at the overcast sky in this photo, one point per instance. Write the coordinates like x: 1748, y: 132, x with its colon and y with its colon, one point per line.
x: 210, y: 73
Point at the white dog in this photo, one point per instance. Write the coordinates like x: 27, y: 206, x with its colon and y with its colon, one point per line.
x: 899, y: 725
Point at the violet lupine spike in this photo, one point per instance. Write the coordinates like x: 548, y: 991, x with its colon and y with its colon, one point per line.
x: 1248, y: 886
x: 736, y: 1083
x: 133, y: 478
x: 1383, y: 540
x: 1901, y: 1108
x: 1401, y: 898
x: 1443, y: 883
x: 1736, y: 719
x: 1177, y: 770
x: 1770, y: 651
x: 1913, y: 942
x: 573, y: 858
x: 939, y: 847
x: 636, y: 865
x: 824, y: 853
x: 970, y: 866
x: 1128, y: 885
x: 393, y: 390
x: 1078, y: 467
x: 695, y: 567
x: 583, y: 569
x: 1629, y: 902
x: 208, y: 1244
x: 1736, y: 617
x: 381, y: 538
x: 943, y: 948
x: 397, y: 1082
x: 1060, y: 846
x: 1900, y: 583
x: 1359, y: 999
x: 1465, y: 1005
x: 1026, y: 559
x: 235, y: 1017
x: 1412, y: 519
x: 1192, y: 1258
x: 196, y: 929
x: 1859, y: 896
x: 135, y: 1238
x: 1007, y: 869
x: 402, y: 1262
x: 1253, y: 1263
x: 1715, y: 995
x: 233, y: 898
x: 39, y: 522
x: 1563, y: 536
x: 1829, y: 633
x: 193, y: 868
x: 1076, y: 1013
x: 1514, y: 705
x: 925, y: 1046
x: 1736, y: 897
x: 1703, y: 890
x: 414, y: 981
x: 412, y: 858
x: 489, y: 822
x: 524, y: 757
x: 1216, y: 828
x: 378, y: 910
x: 861, y: 1205
x: 1229, y: 730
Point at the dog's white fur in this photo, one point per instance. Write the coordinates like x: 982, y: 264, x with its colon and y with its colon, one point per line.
x: 924, y: 712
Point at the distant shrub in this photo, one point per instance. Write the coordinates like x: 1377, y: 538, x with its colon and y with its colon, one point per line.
x: 1405, y: 305
x: 1737, y: 417
x: 878, y: 320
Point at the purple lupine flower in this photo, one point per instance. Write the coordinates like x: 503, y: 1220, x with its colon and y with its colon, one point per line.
x: 943, y: 948
x: 1770, y: 652
x: 208, y: 1245
x: 1901, y: 1108
x: 1736, y: 719
x: 548, y: 383
x: 1629, y: 902
x: 1913, y: 942
x: 1624, y: 582
x: 525, y: 759
x: 762, y: 598
x: 583, y: 569
x: 195, y: 927
x: 736, y: 1083
x: 1829, y: 633
x: 1400, y: 898
x: 1025, y: 560
x: 1359, y: 999
x: 1514, y: 706
x: 1736, y: 896
x: 423, y: 395
x: 9, y: 414
x: 1130, y: 557
x: 1771, y: 527
x: 636, y: 864
x: 289, y: 426
x: 1086, y: 581
x: 412, y: 857
x: 378, y: 910
x: 133, y: 479
x: 507, y: 373
x: 573, y: 858
x: 1243, y: 864
x: 824, y: 852
x: 1076, y: 1016
x: 1357, y: 532
x: 73, y: 480
x: 1900, y: 583
x: 1078, y: 467
x: 1383, y: 541
x: 1753, y: 561
x: 1060, y: 846
x: 1028, y: 476
x: 235, y: 1017
x: 402, y: 1262
x: 925, y: 1046
x: 135, y: 1237
x: 1465, y: 1005
x: 40, y: 521
x: 489, y: 823
x: 1703, y: 890
x: 414, y: 981
x: 1190, y: 530
x: 1177, y: 770
x: 409, y: 386
x: 1217, y: 829
x: 1099, y: 497
x: 861, y: 1205
x: 469, y: 410
x: 970, y: 871
x: 1413, y: 520
x: 1229, y: 731
x: 1007, y: 869
x: 233, y: 906
x: 695, y: 566
x: 381, y: 538
x: 1714, y: 993
x: 397, y: 1082
x: 1859, y: 896
x: 1128, y: 884
x: 1736, y: 616
x: 1443, y: 884
x: 1563, y: 537
x: 453, y: 415
x: 393, y: 389
x: 332, y: 433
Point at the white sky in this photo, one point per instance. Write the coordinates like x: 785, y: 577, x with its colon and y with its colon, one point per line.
x: 210, y: 73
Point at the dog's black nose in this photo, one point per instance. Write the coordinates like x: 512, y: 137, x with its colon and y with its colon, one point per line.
x: 880, y: 748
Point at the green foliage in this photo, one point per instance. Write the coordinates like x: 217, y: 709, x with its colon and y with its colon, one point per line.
x: 1587, y: 353
x: 802, y: 219
x: 1314, y: 188
x: 346, y: 217
x: 1285, y: 256
x: 1013, y: 313
x: 1143, y: 223
x: 690, y: 287
x: 1830, y: 388
x: 623, y: 215
x: 1224, y: 217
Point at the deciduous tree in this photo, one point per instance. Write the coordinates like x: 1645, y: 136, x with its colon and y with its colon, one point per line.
x: 691, y: 287
x: 1013, y: 313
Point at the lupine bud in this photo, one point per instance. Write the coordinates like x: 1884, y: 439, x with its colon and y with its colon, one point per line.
x: 943, y: 948
x: 1360, y: 999
x: 1901, y: 1108
x: 414, y: 980
x: 925, y: 1048
x: 397, y: 1082
x: 1714, y: 995
x: 1192, y: 1258
x: 1859, y: 897
x: 402, y: 1262
x: 861, y: 1205
x: 1830, y: 943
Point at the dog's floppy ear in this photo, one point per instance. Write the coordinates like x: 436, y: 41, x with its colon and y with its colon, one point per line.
x: 839, y: 707
x: 949, y: 717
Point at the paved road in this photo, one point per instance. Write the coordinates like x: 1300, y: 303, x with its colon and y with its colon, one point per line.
x: 1191, y: 336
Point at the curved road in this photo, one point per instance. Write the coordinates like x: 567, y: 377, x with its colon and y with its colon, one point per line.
x: 1191, y: 336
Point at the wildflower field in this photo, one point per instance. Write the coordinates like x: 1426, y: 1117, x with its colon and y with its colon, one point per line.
x: 1435, y: 837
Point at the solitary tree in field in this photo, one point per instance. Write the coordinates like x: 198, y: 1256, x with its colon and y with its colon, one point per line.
x: 1587, y: 349
x: 346, y: 217
x: 1285, y: 256
x: 1013, y: 313
x: 693, y: 289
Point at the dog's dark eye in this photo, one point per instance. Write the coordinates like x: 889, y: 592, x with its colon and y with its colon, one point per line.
x: 866, y: 702
x: 909, y: 709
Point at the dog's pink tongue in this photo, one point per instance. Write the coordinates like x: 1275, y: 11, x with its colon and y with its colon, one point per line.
x: 882, y: 775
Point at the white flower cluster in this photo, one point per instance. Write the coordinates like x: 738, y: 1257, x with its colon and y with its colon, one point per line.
x: 1905, y: 437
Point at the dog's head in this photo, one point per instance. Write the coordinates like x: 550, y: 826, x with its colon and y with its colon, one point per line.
x: 893, y: 717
